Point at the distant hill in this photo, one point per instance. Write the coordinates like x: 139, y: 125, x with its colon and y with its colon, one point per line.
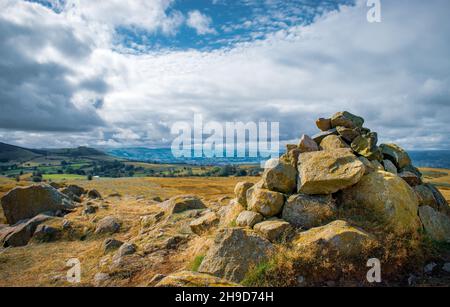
x: 14, y: 153
x: 11, y: 153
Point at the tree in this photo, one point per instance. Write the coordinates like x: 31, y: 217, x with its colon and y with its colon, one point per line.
x: 89, y: 177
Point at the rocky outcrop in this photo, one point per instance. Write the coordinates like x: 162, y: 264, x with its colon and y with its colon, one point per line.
x: 435, y: 224
x: 307, y: 211
x: 339, y: 236
x: 396, y: 154
x: 26, y: 202
x: 387, y: 198
x: 205, y: 223
x: 266, y: 202
x: 20, y: 234
x: 193, y: 279
x: 234, y: 252
x: 332, y: 142
x: 326, y: 172
x: 280, y: 178
x: 347, y: 120
x: 180, y: 204
x: 366, y: 146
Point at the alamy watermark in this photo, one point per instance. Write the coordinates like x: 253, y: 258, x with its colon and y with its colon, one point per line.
x: 230, y: 140
x: 74, y: 273
x: 374, y: 13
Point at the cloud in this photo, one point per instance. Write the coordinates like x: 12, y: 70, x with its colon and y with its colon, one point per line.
x: 200, y: 23
x: 395, y: 73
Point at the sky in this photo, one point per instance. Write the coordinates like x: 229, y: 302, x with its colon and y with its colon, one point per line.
x: 120, y: 73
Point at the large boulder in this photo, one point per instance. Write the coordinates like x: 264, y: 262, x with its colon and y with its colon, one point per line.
x: 338, y: 236
x: 240, y: 191
x: 387, y: 198
x: 332, y: 142
x: 326, y: 172
x: 204, y: 223
x: 307, y: 211
x: 396, y: 154
x: 234, y: 252
x: 435, y: 224
x: 347, y: 120
x: 26, y: 202
x: 425, y: 196
x: 366, y: 146
x: 274, y: 229
x: 266, y: 202
x: 180, y: 204
x: 20, y: 234
x: 193, y: 279
x: 280, y: 178
x: 248, y: 219
x: 441, y: 202
x: 307, y: 144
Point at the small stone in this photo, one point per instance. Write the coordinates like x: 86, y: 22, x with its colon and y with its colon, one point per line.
x: 366, y: 146
x: 307, y: 144
x: 389, y: 167
x: 273, y: 230
x: 411, y: 178
x: 94, y: 194
x: 248, y: 219
x: 332, y: 142
x: 324, y: 124
x: 179, y: 204
x: 396, y: 154
x: 348, y: 134
x: 347, y: 120
x: 268, y: 203
x: 204, y: 223
x: 241, y: 192
x: 429, y: 268
x: 320, y: 136
x: 110, y: 245
x: 108, y: 224
x: 280, y: 178
x: 126, y: 249
x: 89, y: 209
x: 44, y: 233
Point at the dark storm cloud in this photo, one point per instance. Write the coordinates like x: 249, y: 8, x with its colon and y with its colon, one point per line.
x: 36, y: 95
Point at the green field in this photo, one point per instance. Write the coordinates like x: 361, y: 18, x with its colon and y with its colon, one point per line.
x: 59, y: 177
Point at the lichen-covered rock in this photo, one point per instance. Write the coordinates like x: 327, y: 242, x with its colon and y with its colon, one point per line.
x: 180, y: 204
x: 425, y: 196
x: 26, y: 202
x: 205, y: 223
x: 326, y: 172
x: 412, y: 169
x: 273, y: 230
x: 94, y: 194
x: 321, y: 135
x: 234, y: 252
x: 366, y: 146
x: 280, y: 178
x: 193, y: 279
x: 389, y: 167
x: 109, y: 224
x: 347, y: 120
x: 241, y: 192
x: 324, y: 124
x: 442, y: 204
x: 348, y: 134
x: 387, y: 198
x: 228, y: 214
x: 339, y: 236
x: 248, y: 219
x: 45, y: 233
x: 307, y: 211
x: 411, y: 178
x: 266, y: 202
x: 307, y: 144
x: 332, y: 142
x: 436, y: 224
x: 396, y: 154
x: 110, y: 245
x: 368, y: 165
x: 291, y: 155
x: 20, y: 234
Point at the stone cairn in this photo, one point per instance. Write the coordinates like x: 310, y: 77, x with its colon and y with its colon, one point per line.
x: 342, y: 167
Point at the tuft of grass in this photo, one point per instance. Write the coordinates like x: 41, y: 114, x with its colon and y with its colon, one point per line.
x: 256, y: 276
x: 195, y: 264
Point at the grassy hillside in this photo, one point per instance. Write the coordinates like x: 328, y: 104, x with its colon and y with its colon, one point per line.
x: 10, y: 153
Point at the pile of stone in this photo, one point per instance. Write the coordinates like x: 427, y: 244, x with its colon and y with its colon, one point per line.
x: 342, y: 167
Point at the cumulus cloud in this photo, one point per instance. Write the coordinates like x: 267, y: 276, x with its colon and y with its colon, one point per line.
x: 395, y: 73
x: 200, y: 22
